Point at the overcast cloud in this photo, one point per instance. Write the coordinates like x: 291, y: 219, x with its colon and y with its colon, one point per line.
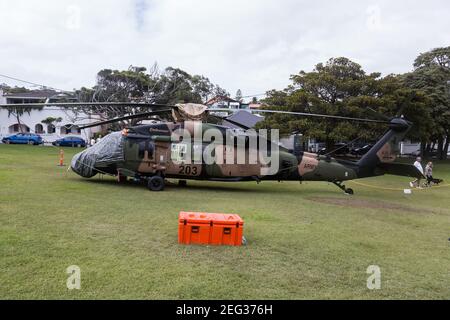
x: 254, y: 45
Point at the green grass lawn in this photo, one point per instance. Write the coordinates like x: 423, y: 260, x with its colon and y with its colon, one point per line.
x: 304, y: 241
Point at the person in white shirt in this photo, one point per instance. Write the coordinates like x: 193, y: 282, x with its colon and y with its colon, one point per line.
x: 418, y: 165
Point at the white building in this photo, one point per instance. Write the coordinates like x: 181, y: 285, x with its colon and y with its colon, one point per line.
x: 223, y: 102
x: 34, y: 121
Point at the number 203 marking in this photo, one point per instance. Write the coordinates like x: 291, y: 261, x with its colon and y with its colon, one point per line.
x: 188, y: 170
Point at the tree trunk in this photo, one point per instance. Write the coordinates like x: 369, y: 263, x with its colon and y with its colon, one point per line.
x: 18, y: 122
x: 440, y: 148
x: 423, y: 146
x: 447, y: 142
x: 426, y: 150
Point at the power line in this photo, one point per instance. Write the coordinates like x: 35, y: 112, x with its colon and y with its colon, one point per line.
x: 32, y: 83
x: 255, y: 95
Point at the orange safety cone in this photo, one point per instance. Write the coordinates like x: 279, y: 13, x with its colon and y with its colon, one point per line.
x: 61, y: 157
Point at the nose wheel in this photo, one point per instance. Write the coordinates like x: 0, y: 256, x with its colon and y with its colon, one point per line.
x: 156, y: 183
x: 341, y: 186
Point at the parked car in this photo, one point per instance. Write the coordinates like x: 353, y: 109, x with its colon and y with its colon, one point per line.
x: 339, y: 149
x: 430, y: 154
x: 70, y: 142
x: 23, y: 138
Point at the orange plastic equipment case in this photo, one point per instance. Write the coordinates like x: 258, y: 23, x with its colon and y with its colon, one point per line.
x: 210, y: 228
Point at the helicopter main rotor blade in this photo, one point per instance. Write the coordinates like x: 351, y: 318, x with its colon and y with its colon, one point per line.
x: 230, y: 121
x: 378, y: 114
x: 133, y: 116
x: 81, y: 104
x: 314, y: 115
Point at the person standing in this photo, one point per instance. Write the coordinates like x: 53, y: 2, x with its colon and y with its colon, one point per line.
x: 418, y: 165
x: 429, y: 173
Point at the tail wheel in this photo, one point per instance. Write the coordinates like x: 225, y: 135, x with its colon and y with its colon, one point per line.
x: 349, y: 191
x: 156, y: 183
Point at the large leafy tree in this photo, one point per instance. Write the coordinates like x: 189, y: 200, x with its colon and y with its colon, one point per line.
x: 341, y: 87
x: 137, y: 84
x: 432, y: 76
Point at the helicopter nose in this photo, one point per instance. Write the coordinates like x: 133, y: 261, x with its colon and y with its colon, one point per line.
x: 101, y: 157
x: 83, y: 164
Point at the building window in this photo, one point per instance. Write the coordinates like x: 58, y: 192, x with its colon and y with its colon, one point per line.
x: 70, y: 129
x: 15, y: 128
x: 65, y: 129
x: 39, y: 128
x: 51, y: 129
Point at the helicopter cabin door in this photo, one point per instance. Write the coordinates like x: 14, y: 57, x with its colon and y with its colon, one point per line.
x: 185, y: 160
x: 146, y: 154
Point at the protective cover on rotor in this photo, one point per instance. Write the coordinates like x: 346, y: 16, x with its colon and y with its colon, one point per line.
x: 107, y: 151
x: 189, y: 111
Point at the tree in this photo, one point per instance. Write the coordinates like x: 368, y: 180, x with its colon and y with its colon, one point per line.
x: 51, y: 120
x: 432, y: 76
x: 136, y: 84
x: 341, y: 87
x: 238, y: 96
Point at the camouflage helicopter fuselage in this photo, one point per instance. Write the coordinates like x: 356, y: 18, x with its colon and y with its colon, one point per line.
x: 157, y: 150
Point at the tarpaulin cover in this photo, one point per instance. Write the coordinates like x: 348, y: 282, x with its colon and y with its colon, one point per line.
x: 189, y: 111
x: 107, y: 151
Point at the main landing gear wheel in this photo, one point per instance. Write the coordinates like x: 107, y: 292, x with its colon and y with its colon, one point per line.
x: 182, y: 183
x: 156, y: 183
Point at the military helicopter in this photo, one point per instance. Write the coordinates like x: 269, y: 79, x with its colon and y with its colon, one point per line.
x: 176, y: 149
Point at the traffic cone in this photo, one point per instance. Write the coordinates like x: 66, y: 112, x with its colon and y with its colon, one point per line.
x: 61, y: 158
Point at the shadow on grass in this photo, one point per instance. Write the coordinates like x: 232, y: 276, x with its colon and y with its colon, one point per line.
x: 233, y: 187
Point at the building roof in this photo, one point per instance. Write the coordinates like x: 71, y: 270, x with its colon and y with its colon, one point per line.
x: 245, y: 118
x: 219, y: 99
x: 35, y: 94
x: 255, y: 105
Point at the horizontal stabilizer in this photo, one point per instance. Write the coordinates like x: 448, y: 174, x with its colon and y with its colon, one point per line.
x: 401, y: 169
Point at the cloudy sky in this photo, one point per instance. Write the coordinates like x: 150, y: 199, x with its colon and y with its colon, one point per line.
x: 253, y: 45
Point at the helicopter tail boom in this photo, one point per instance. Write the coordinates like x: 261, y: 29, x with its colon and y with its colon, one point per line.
x: 380, y: 159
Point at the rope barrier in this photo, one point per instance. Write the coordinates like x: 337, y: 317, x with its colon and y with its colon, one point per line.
x: 394, y: 189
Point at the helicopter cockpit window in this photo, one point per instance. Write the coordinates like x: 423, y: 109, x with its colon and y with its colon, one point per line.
x: 178, y: 151
x: 145, y: 146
